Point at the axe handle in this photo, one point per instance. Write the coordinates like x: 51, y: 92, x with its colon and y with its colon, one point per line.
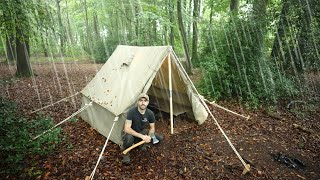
x: 133, y: 146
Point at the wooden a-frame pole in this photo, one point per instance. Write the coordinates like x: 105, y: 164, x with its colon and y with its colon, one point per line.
x: 170, y: 91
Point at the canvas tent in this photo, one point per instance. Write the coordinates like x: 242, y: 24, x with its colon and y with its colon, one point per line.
x: 129, y: 71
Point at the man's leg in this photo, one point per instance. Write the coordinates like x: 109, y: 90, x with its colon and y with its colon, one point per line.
x: 143, y: 147
x: 128, y: 141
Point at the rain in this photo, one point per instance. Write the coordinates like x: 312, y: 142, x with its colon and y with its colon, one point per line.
x: 251, y: 66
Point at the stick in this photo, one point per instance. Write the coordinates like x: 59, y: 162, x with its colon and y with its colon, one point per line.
x: 133, y: 146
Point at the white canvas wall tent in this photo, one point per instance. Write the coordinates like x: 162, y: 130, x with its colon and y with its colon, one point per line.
x: 133, y: 70
x: 129, y: 71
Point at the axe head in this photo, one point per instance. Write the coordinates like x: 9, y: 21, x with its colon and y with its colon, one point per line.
x: 155, y: 140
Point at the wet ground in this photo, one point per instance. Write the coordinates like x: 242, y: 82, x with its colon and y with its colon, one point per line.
x: 192, y: 152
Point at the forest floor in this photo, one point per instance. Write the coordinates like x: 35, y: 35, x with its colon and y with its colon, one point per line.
x: 192, y: 152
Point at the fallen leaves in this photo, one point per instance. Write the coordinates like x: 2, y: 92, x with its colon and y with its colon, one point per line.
x: 193, y: 152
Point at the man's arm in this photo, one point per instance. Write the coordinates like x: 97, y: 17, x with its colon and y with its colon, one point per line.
x: 129, y: 130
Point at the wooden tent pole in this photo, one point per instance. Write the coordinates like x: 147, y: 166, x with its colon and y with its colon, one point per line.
x: 170, y: 90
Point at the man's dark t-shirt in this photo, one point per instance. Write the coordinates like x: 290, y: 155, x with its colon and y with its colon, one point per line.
x: 140, y: 121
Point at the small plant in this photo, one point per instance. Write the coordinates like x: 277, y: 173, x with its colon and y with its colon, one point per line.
x: 16, y: 133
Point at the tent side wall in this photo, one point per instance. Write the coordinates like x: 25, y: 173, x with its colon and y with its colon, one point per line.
x: 101, y: 119
x: 199, y: 111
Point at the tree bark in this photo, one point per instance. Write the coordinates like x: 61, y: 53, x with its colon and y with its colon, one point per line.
x: 61, y: 30
x: 259, y: 17
x: 282, y: 25
x: 184, y: 38
x: 22, y: 47
x: 190, y: 13
x: 171, y: 19
x: 88, y: 37
x: 69, y: 26
x: 21, y: 41
x: 211, y: 13
x: 234, y: 6
x: 303, y: 39
x: 10, y: 48
x: 136, y: 7
x: 96, y: 26
x: 196, y: 7
x: 259, y: 12
x: 43, y: 44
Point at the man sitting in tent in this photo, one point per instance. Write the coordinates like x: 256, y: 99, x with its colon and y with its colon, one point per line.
x: 135, y: 126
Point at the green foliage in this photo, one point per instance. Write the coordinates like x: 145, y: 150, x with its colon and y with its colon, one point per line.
x: 99, y: 52
x: 16, y: 133
x: 236, y: 66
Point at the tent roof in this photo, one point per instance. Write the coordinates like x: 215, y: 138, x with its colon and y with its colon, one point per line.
x: 124, y: 76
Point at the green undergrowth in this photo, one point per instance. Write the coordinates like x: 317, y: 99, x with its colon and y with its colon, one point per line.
x: 16, y: 133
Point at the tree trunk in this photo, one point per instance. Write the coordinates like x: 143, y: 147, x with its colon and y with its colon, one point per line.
x: 10, y: 49
x: 304, y: 38
x: 69, y: 26
x: 234, y: 6
x: 88, y: 37
x: 211, y: 13
x: 43, y: 44
x: 21, y: 41
x: 282, y: 25
x: 171, y: 19
x: 61, y: 30
x: 22, y: 47
x: 136, y: 7
x: 196, y: 7
x: 259, y: 12
x: 259, y: 17
x: 190, y: 13
x: 184, y: 38
x: 96, y: 26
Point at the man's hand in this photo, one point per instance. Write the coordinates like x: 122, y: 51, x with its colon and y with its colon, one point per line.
x: 146, y: 138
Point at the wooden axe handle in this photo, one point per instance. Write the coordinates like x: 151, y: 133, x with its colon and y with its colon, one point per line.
x: 133, y: 146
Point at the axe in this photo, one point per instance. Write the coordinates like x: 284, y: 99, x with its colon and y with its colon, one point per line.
x: 155, y: 140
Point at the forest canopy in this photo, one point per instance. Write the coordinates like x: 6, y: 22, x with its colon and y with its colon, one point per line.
x: 254, y: 50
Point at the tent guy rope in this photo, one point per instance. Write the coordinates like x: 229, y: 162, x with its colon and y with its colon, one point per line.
x: 55, y: 103
x: 104, y: 147
x: 247, y: 166
x: 217, y: 105
x: 74, y: 114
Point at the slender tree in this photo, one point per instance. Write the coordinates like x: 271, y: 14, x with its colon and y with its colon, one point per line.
x: 184, y: 37
x: 171, y: 20
x: 61, y: 28
x: 234, y: 6
x: 10, y: 48
x: 282, y: 25
x: 196, y: 11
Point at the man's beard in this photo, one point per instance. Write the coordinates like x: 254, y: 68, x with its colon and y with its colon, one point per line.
x: 142, y: 107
